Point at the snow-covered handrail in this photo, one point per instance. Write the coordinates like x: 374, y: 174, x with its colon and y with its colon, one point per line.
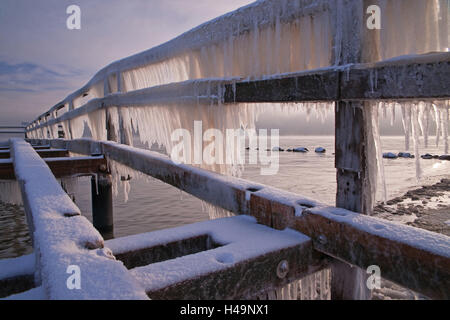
x: 63, y: 238
x: 256, y: 15
x: 385, y: 80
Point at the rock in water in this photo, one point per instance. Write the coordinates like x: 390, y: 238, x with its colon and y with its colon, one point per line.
x: 301, y: 149
x: 427, y: 156
x: 277, y: 149
x: 390, y: 155
x: 320, y: 150
x: 405, y: 155
x: 445, y: 157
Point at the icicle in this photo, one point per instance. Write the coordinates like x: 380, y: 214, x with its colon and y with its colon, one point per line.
x: 406, y: 119
x: 437, y: 118
x: 379, y: 154
x: 444, y: 123
x: 415, y: 132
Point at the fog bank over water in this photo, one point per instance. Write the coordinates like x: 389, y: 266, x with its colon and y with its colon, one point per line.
x: 291, y: 124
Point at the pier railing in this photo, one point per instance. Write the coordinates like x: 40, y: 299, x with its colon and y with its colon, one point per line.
x: 412, y: 257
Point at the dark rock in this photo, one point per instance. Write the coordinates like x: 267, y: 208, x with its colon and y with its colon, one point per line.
x: 405, y: 155
x: 300, y: 149
x: 427, y: 156
x: 445, y: 157
x: 390, y: 155
x: 320, y: 150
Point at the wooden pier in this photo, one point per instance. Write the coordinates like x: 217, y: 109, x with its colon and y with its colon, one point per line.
x: 277, y: 236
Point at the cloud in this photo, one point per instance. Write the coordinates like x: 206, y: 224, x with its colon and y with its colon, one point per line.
x: 32, y: 77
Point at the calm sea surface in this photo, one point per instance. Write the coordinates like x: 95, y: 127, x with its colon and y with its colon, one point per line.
x: 154, y: 205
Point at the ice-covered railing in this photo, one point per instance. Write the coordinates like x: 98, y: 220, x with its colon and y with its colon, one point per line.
x: 63, y: 238
x: 271, y: 37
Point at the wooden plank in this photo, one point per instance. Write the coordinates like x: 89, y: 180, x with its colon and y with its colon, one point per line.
x: 245, y: 280
x: 61, y: 167
x: 242, y: 264
x: 44, y: 153
x: 412, y: 257
x: 16, y: 284
x: 422, y: 77
x: 7, y: 170
x: 317, y: 86
x: 419, y: 77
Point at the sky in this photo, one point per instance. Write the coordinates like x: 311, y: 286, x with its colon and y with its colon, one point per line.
x: 42, y: 61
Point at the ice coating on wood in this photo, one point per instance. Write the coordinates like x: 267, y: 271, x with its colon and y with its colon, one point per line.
x: 276, y: 37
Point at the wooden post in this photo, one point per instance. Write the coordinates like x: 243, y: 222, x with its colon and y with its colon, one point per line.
x: 351, y: 140
x: 102, y: 205
x: 101, y: 190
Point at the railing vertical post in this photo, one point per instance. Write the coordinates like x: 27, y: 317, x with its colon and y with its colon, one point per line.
x: 102, y: 204
x: 101, y: 190
x: 351, y: 141
x: 70, y: 107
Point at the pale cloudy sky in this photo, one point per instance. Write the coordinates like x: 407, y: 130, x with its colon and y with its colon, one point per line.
x: 41, y: 61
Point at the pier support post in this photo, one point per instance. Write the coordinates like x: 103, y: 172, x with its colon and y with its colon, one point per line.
x: 102, y: 205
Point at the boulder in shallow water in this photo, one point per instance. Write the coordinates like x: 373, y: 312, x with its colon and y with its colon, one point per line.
x: 320, y: 150
x: 427, y: 156
x: 390, y: 155
x: 405, y: 155
x: 445, y: 157
x: 300, y: 149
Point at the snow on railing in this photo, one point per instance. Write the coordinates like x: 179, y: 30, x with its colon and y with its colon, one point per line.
x: 278, y: 37
x: 63, y: 238
x: 358, y: 239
